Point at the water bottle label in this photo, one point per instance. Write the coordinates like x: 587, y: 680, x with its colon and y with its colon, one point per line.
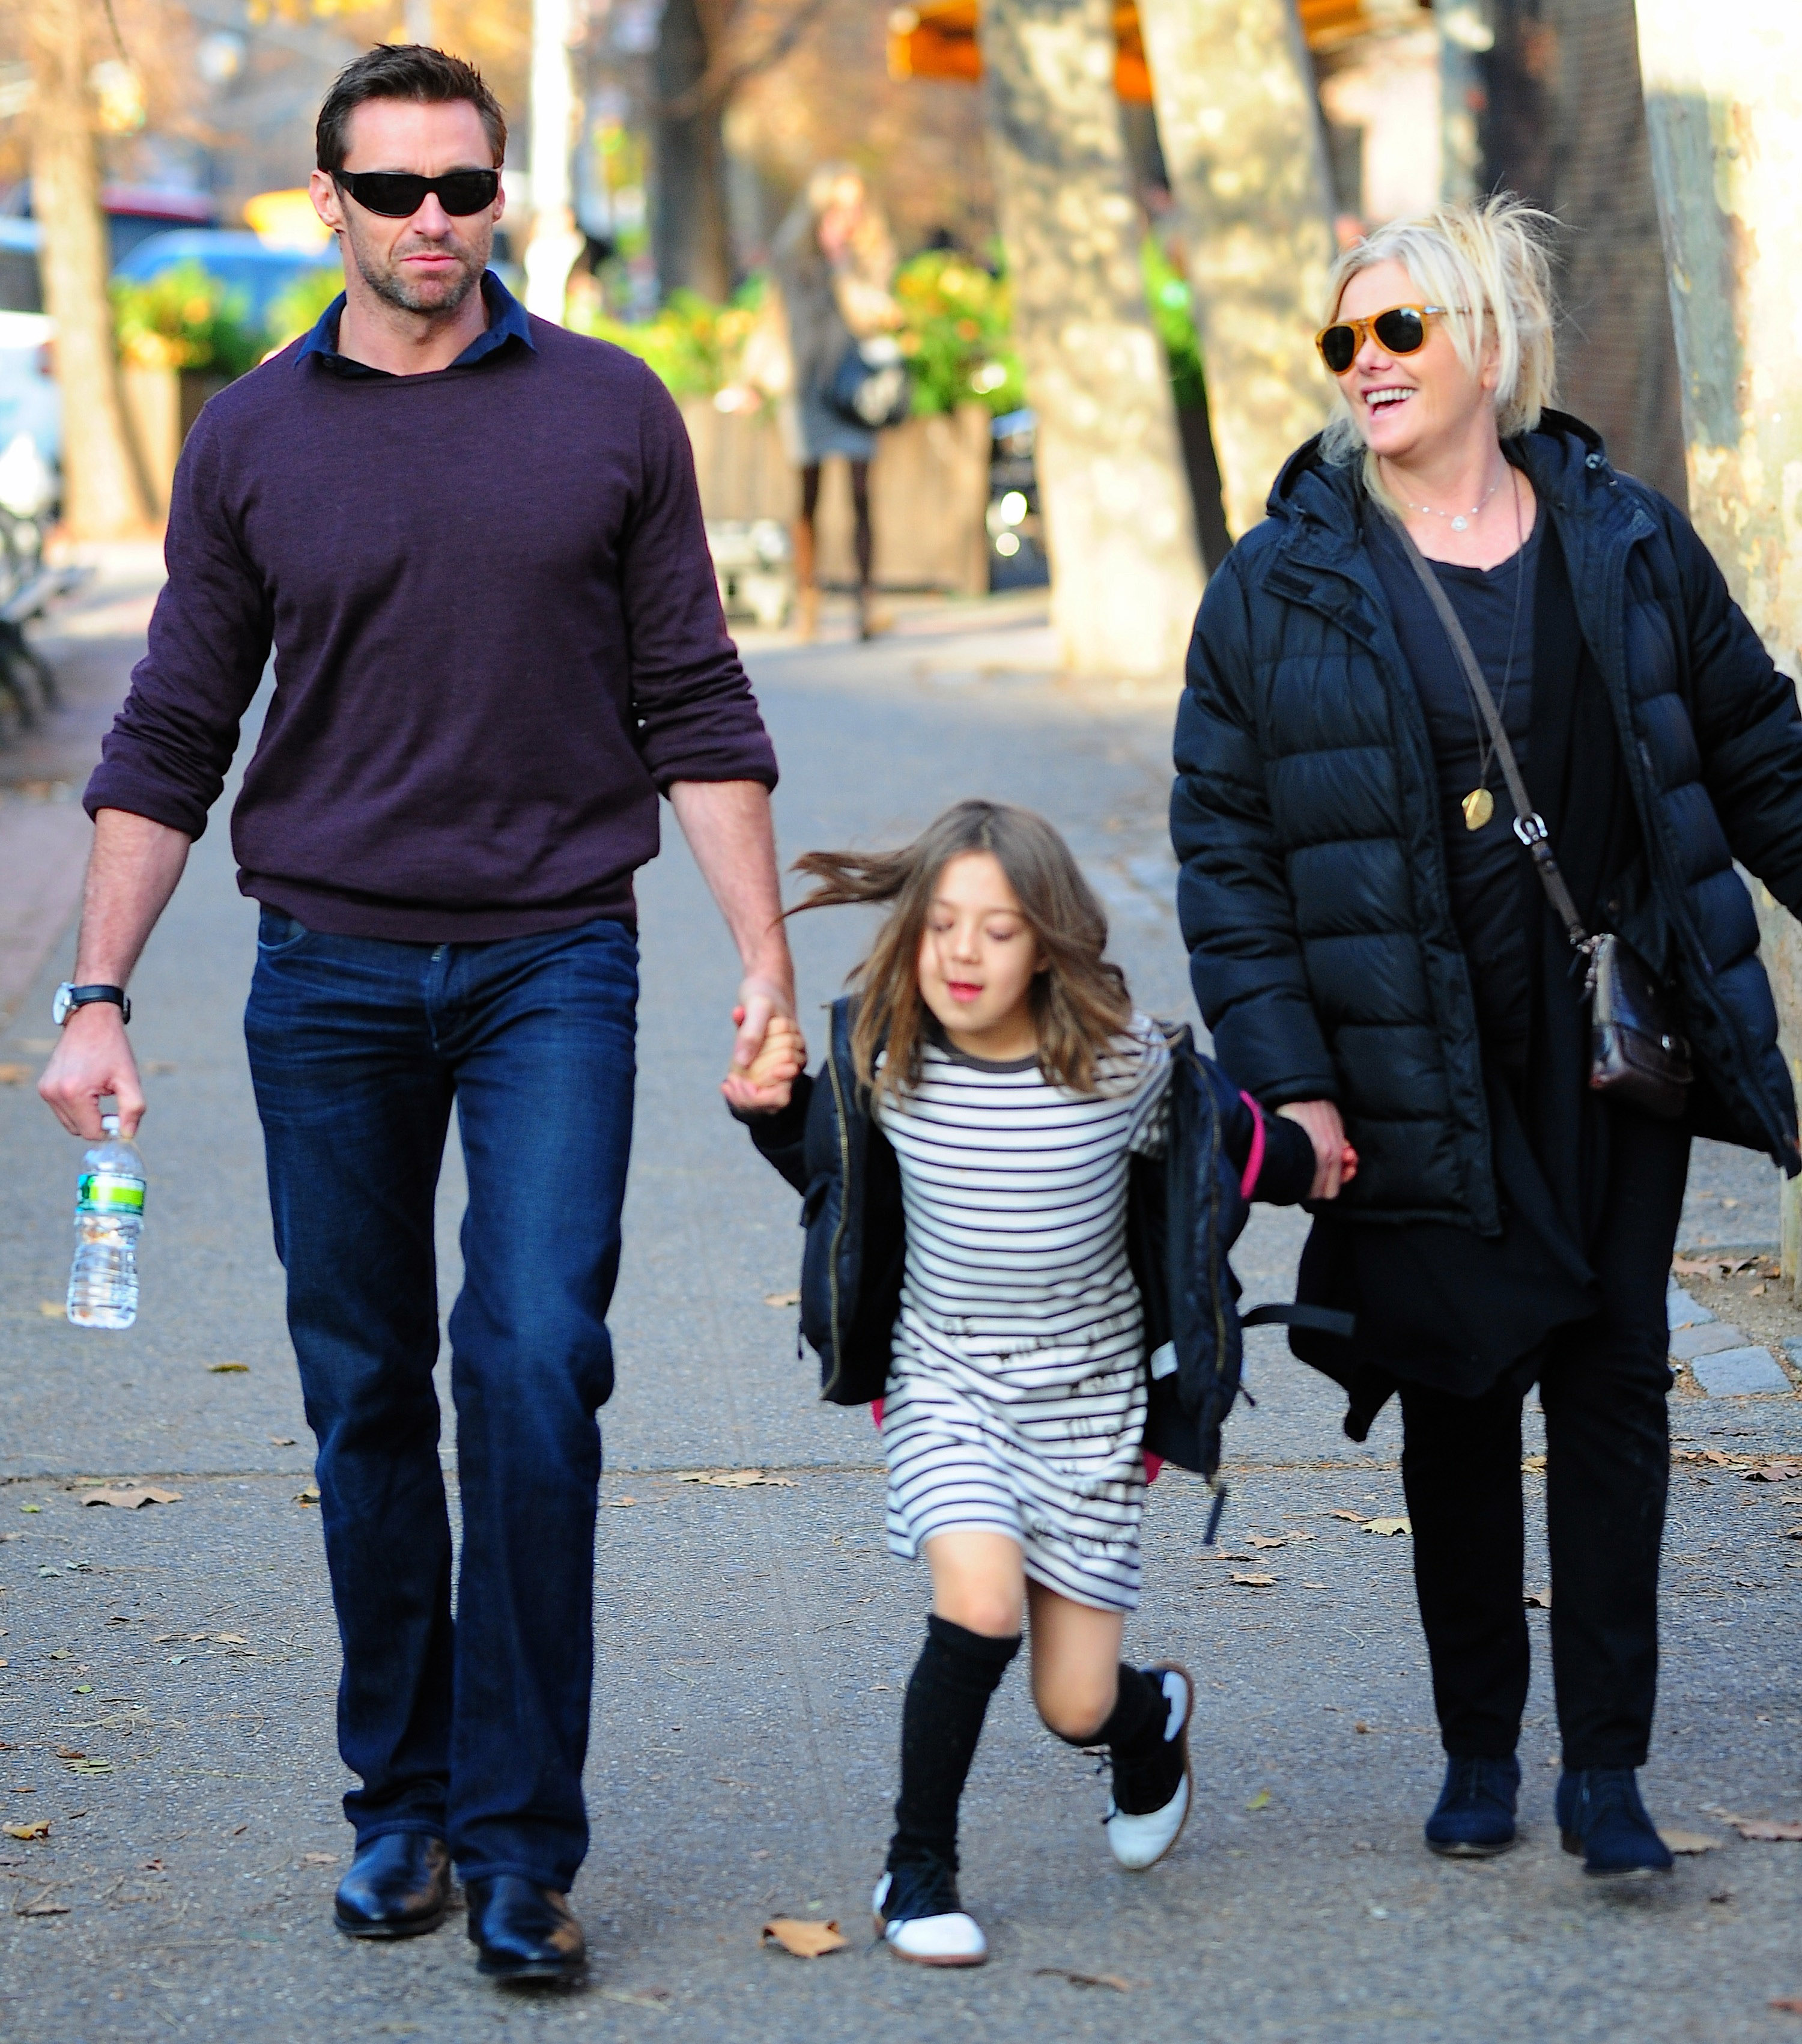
x: 108, y: 1192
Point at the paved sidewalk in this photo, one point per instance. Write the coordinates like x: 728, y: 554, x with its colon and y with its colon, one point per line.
x: 167, y: 1702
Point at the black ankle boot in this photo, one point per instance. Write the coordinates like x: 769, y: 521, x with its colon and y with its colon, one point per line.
x: 1600, y: 1816
x: 398, y: 1886
x: 523, y: 1932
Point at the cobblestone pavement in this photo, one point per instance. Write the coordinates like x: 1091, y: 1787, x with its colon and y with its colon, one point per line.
x: 166, y: 1705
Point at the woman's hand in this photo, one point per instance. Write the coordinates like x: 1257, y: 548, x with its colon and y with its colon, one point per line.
x: 765, y: 1086
x: 1336, y: 1162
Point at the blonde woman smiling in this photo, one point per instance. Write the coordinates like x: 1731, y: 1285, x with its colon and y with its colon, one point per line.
x: 1458, y: 616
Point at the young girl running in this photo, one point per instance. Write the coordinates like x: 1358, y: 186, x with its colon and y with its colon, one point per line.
x: 996, y: 1052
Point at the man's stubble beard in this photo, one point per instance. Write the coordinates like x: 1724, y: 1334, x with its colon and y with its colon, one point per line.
x: 382, y: 278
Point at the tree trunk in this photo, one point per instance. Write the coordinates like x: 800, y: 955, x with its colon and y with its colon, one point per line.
x: 1616, y: 356
x: 1723, y: 107
x: 1119, y: 527
x: 689, y: 241
x: 103, y: 494
x: 554, y: 243
x: 1242, y: 137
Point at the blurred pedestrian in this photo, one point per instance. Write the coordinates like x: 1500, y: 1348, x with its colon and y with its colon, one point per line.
x: 833, y: 262
x: 1462, y: 642
x: 474, y: 543
x: 979, y: 1219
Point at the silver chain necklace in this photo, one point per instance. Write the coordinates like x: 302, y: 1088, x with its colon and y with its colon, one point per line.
x: 1460, y: 520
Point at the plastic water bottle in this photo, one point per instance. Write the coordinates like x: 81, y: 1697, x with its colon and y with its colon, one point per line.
x: 103, y: 1282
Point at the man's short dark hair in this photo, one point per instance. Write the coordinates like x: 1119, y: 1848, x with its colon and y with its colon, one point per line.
x: 403, y: 70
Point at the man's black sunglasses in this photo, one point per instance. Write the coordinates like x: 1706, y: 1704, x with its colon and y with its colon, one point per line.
x: 399, y: 194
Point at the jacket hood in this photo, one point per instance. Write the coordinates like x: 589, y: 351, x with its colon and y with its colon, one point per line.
x: 1562, y: 455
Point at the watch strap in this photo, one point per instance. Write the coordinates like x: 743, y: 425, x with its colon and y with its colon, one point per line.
x: 84, y: 996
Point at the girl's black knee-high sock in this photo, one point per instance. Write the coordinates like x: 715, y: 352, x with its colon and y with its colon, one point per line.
x: 1147, y: 1766
x: 942, y: 1720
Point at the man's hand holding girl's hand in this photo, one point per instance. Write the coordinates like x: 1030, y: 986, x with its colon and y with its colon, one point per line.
x: 1336, y: 1162
x: 765, y: 1083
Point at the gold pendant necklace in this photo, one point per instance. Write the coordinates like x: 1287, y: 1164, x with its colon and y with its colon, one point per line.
x: 1478, y: 807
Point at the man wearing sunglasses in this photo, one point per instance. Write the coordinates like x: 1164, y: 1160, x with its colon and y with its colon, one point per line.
x: 473, y: 543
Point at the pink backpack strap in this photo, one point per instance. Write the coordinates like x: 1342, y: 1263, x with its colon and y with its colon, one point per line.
x: 1254, y: 1162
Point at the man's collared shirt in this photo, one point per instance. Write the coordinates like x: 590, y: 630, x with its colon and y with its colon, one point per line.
x: 507, y: 321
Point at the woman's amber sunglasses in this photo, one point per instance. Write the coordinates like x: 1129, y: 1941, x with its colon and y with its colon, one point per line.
x: 1401, y: 330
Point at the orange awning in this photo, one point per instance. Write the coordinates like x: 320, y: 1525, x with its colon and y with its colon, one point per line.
x: 938, y: 39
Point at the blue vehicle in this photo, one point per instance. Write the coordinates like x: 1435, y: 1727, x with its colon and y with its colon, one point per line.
x: 258, y: 272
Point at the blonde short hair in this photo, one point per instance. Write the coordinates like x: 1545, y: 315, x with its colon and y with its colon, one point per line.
x: 1486, y: 261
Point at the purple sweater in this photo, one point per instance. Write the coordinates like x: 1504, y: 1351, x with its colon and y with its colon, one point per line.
x: 497, y: 637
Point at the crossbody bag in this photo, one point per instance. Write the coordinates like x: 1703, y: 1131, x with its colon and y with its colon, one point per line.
x: 1637, y: 1052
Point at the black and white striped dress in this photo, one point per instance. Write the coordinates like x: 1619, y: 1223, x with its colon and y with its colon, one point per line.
x: 1016, y: 1403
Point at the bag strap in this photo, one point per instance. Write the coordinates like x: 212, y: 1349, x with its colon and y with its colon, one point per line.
x: 1529, y: 825
x: 1314, y: 1319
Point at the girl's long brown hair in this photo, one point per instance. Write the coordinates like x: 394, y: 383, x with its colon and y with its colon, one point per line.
x: 1079, y: 1000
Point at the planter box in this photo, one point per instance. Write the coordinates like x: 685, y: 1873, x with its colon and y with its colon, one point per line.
x: 929, y: 493
x: 161, y: 406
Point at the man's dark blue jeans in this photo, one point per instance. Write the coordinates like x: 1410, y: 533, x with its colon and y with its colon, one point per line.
x: 475, y: 1732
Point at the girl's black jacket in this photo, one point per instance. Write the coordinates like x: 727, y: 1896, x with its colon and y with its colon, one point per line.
x: 1186, y: 1210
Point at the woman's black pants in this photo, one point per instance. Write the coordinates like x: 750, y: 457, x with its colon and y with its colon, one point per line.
x: 1603, y: 1384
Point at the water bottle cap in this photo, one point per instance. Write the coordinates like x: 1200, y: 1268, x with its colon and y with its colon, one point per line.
x: 109, y: 1124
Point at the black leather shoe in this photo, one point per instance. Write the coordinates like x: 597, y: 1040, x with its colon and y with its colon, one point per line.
x: 398, y: 1886
x: 523, y: 1932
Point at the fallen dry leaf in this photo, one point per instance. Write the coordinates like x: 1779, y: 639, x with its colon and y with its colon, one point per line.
x: 309, y: 1496
x: 620, y: 1504
x: 131, y: 1499
x: 231, y: 1639
x: 319, y: 1859
x: 85, y: 1766
x: 1083, y: 1979
x: 38, y: 1827
x: 1360, y: 1726
x: 1260, y: 1801
x: 657, y: 1999
x: 1338, y: 1512
x: 1774, y: 1472
x: 1779, y: 1831
x: 1532, y: 1465
x: 1689, y: 1842
x: 1253, y: 1579
x: 782, y: 1298
x: 41, y: 1906
x: 229, y: 1369
x: 806, y: 1940
x: 14, y: 1074
x: 53, y: 1309
x: 735, y: 1479
x: 1264, y: 1540
x: 1538, y: 1599
x: 1387, y: 1527
x: 282, y: 1440
x: 1691, y: 1267
x: 1791, y: 2004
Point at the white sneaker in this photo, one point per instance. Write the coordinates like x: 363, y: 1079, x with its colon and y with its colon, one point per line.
x: 1139, y: 1841
x: 950, y: 1938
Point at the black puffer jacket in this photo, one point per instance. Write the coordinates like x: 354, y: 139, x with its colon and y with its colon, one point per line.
x: 1307, y: 819
x: 1185, y: 1212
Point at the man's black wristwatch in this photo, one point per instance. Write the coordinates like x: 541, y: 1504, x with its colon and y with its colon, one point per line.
x: 69, y: 998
